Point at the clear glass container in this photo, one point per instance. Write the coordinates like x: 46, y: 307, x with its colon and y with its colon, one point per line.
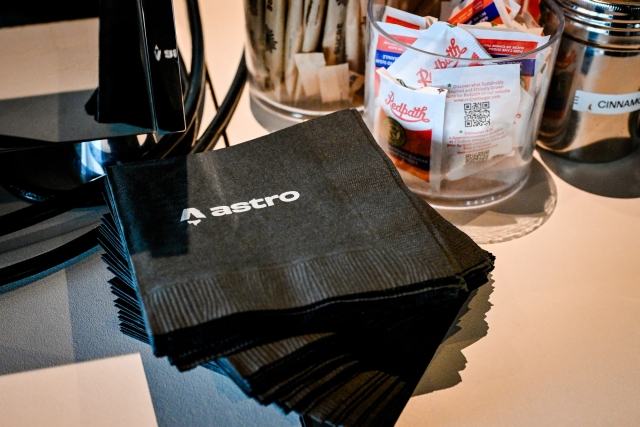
x: 478, y: 180
x: 305, y: 58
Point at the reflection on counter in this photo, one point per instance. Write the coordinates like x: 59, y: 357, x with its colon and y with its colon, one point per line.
x: 514, y: 217
x: 468, y: 327
x: 619, y: 179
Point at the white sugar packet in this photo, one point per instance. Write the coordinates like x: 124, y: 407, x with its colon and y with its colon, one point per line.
x: 536, y: 31
x: 354, y: 45
x: 275, y: 12
x: 409, y: 123
x: 503, y: 42
x: 334, y: 83
x: 479, y: 121
x: 308, y: 65
x: 414, y: 68
x: 255, y: 27
x: 382, y: 53
x: 293, y: 44
x: 313, y: 20
x: 334, y: 32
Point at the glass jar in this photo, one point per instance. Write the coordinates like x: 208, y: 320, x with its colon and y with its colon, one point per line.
x: 592, y: 113
x: 455, y: 172
x: 305, y: 58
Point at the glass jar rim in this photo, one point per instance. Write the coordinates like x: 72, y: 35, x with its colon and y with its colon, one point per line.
x: 488, y: 61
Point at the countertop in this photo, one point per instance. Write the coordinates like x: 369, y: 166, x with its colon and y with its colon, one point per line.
x: 553, y: 340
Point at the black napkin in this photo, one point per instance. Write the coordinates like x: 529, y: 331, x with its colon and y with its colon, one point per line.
x: 343, y: 236
x: 328, y: 299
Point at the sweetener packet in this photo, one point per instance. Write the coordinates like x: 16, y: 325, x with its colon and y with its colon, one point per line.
x: 475, y: 11
x: 353, y: 41
x: 274, y: 43
x: 333, y: 37
x: 400, y: 17
x: 313, y: 20
x: 334, y: 81
x: 255, y: 28
x: 308, y: 65
x: 479, y: 119
x: 384, y: 53
x: 500, y: 43
x: 536, y: 31
x: 293, y: 44
x: 414, y: 68
x: 409, y: 123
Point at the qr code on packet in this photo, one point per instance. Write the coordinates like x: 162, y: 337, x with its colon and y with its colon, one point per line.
x: 476, y: 114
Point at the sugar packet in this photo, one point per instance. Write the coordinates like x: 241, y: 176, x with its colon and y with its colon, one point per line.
x: 414, y: 68
x: 274, y: 45
x: 353, y: 40
x: 475, y: 11
x: 313, y: 20
x: 409, y: 122
x: 333, y: 45
x: 400, y: 17
x: 294, y: 35
x: 478, y: 127
x: 500, y: 42
x: 536, y: 31
x: 384, y: 53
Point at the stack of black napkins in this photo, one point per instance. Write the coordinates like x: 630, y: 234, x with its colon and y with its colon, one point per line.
x: 298, y: 264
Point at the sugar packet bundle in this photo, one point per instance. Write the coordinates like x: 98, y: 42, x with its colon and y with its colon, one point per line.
x: 475, y: 11
x: 479, y: 121
x: 502, y: 42
x: 414, y: 68
x: 409, y: 124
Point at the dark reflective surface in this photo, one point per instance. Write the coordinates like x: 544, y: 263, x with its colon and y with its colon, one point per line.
x: 73, y: 73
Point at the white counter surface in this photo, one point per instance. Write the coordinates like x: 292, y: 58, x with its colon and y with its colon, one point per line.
x: 553, y: 341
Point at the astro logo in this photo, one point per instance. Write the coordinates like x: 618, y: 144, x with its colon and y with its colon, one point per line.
x: 287, y: 197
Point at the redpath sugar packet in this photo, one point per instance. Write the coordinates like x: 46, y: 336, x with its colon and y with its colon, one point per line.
x: 414, y: 67
x: 502, y: 42
x: 478, y: 127
x: 475, y: 11
x: 409, y: 123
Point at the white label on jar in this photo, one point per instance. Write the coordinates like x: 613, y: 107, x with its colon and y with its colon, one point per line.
x: 600, y: 103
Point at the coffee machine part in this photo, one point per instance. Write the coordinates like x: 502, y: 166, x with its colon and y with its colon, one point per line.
x: 592, y: 110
